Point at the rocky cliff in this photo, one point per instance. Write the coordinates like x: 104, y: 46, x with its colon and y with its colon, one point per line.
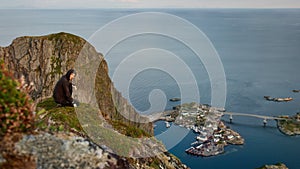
x: 44, y: 59
x: 58, y: 140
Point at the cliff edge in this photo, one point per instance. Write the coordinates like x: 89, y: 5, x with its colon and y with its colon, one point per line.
x: 44, y: 59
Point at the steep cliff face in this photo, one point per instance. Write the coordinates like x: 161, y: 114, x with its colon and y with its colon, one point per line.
x: 44, y: 59
x: 119, y: 107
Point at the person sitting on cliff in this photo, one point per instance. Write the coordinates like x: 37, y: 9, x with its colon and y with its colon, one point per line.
x: 62, y: 93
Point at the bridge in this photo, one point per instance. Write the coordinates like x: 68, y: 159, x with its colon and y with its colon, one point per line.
x: 265, y: 118
x: 162, y: 116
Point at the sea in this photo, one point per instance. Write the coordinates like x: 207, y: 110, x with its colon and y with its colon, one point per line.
x: 243, y: 55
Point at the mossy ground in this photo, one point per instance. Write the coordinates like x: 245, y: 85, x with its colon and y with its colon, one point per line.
x: 66, y: 118
x: 86, y: 121
x: 129, y: 130
x: 52, y: 118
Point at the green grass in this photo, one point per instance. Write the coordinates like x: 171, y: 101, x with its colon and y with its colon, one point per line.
x: 53, y: 118
x: 129, y: 130
x: 87, y: 121
x: 65, y: 36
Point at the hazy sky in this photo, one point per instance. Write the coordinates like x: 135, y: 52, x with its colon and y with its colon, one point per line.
x: 149, y: 4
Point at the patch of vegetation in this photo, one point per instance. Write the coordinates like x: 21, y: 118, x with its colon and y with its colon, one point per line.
x: 86, y: 121
x: 16, y: 109
x: 109, y: 110
x: 64, y: 36
x: 54, y: 118
x: 155, y: 163
x: 129, y: 130
x: 56, y: 66
x: 66, y: 49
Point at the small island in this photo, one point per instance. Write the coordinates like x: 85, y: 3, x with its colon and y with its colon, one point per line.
x: 274, y: 166
x: 278, y: 99
x: 175, y: 99
x: 290, y: 126
x: 205, y: 120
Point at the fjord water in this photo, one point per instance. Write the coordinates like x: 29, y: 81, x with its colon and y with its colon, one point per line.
x: 259, y: 49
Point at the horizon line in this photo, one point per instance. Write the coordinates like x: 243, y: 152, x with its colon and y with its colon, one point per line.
x: 92, y: 8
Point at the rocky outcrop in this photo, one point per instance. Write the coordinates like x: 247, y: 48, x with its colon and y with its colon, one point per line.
x: 66, y: 150
x: 44, y: 59
x: 74, y: 152
x: 276, y: 166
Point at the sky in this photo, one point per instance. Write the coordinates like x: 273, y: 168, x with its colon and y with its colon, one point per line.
x: 66, y: 4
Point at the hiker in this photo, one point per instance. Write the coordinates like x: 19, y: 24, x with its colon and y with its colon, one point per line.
x: 62, y: 93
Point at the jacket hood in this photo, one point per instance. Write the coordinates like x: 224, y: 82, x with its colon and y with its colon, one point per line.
x: 68, y: 74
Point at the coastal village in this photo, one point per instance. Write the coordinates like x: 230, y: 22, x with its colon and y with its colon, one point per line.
x: 205, y: 121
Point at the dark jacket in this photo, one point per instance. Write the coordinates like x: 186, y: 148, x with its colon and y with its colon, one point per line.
x: 62, y: 93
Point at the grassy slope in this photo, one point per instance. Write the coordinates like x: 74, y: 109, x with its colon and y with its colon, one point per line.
x: 86, y: 121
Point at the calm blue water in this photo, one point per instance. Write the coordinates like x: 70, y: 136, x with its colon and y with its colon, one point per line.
x: 260, y: 53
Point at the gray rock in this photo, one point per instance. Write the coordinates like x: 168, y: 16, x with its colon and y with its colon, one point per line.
x: 63, y: 151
